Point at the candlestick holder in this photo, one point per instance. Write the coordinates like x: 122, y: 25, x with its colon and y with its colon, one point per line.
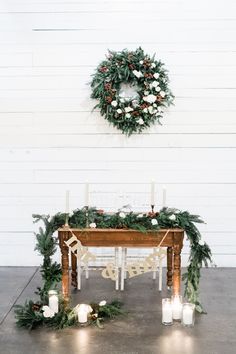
x: 87, y: 215
x: 152, y: 208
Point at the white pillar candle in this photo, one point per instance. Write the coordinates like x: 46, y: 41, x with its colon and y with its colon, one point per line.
x: 188, y: 314
x: 166, y: 312
x: 86, y: 194
x: 177, y: 307
x: 67, y: 211
x: 164, y: 197
x: 53, y: 302
x: 153, y: 193
x: 82, y: 313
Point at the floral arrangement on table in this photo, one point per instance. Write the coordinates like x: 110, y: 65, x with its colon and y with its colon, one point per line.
x: 32, y: 315
x: 132, y: 89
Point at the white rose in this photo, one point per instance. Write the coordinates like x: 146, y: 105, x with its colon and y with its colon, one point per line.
x: 47, y: 312
x: 114, y: 103
x: 138, y: 74
x: 141, y: 62
x: 128, y: 109
x: 146, y: 93
x: 135, y: 103
x: 201, y: 243
x: 119, y: 110
x: 156, y: 75
x: 172, y: 217
x: 122, y: 215
x: 140, y: 121
x: 155, y: 83
x: 128, y: 115
x: 102, y: 303
x: 154, y: 222
x: 162, y: 93
x: 150, y: 98
x: 154, y: 105
x: 93, y: 225
x: 157, y: 88
x: 150, y: 109
x: 153, y: 65
x: 122, y: 100
x: 140, y: 216
x: 145, y: 110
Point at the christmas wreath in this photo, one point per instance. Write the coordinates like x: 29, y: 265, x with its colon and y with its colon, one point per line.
x: 132, y: 89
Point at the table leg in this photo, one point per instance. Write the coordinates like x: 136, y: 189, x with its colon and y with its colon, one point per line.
x: 169, y: 279
x: 65, y: 270
x: 177, y: 270
x: 73, y: 270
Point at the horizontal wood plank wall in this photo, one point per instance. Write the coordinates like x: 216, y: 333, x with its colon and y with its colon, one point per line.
x: 50, y: 141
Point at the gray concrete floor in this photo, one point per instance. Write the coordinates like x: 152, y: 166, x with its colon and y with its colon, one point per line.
x: 140, y: 332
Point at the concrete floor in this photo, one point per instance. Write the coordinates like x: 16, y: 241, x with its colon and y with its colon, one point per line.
x: 140, y: 332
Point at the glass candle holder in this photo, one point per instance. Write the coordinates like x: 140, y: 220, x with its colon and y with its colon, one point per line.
x: 82, y: 311
x: 167, y: 319
x: 177, y: 306
x: 53, y: 301
x: 188, y: 314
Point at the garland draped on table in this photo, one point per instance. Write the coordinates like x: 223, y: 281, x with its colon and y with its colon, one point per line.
x: 30, y: 314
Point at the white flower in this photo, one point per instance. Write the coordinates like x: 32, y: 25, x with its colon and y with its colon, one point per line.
x: 141, y: 62
x: 122, y: 215
x: 156, y: 75
x: 114, y: 103
x: 93, y: 225
x: 150, y: 98
x: 201, y: 243
x: 154, y: 222
x: 153, y: 65
x: 102, y: 303
x: 128, y: 109
x: 159, y: 109
x: 145, y: 110
x: 154, y: 84
x: 128, y: 115
x: 135, y: 103
x: 154, y: 105
x: 150, y: 109
x: 172, y: 217
x: 146, y: 93
x: 119, y: 110
x: 140, y: 216
x: 162, y: 93
x: 122, y: 100
x: 137, y: 73
x: 157, y: 88
x: 140, y: 121
x: 47, y: 312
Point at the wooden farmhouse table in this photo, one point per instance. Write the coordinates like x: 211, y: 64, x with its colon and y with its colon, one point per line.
x: 122, y: 238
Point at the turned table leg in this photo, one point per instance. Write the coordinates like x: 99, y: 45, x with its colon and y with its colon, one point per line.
x: 73, y: 270
x: 65, y: 270
x: 177, y: 270
x: 169, y: 267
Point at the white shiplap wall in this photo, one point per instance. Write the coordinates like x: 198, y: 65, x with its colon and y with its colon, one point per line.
x: 50, y: 141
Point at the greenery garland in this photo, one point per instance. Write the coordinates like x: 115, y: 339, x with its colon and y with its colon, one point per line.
x: 147, y: 81
x: 30, y: 315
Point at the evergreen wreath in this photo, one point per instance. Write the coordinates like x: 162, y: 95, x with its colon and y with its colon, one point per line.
x: 30, y: 315
x: 144, y: 77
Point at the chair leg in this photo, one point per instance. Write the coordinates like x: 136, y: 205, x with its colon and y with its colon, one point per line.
x: 79, y: 274
x: 117, y: 268
x: 123, y: 262
x: 154, y: 273
x: 160, y: 274
x: 86, y: 268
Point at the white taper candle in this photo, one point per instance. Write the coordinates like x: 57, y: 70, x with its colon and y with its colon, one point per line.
x: 153, y: 193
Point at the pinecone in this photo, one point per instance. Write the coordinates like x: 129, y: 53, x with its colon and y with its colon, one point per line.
x: 108, y: 99
x: 103, y: 69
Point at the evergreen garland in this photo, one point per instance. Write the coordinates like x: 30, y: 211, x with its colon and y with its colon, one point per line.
x: 31, y: 316
x: 148, y: 78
